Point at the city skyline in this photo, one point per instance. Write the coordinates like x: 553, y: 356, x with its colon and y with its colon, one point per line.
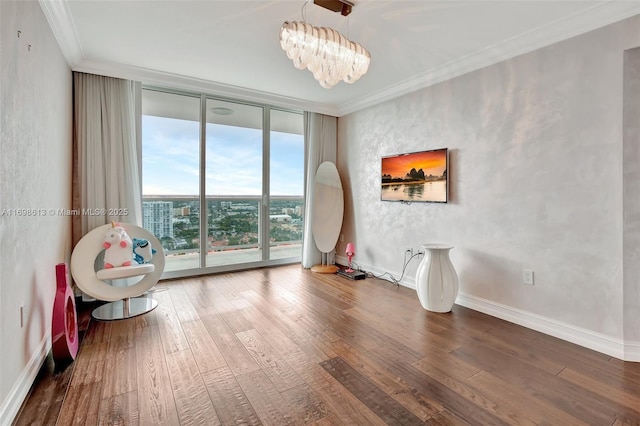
x: 170, y: 160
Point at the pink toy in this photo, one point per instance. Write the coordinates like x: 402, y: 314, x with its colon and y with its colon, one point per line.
x: 118, y: 247
x: 64, y: 325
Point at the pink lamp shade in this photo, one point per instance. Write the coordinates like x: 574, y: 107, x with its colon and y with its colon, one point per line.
x: 350, y: 251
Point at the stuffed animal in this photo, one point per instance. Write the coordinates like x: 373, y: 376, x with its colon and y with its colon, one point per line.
x: 142, y: 251
x: 118, y: 247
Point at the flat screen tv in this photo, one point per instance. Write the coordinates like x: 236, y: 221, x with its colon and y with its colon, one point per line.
x: 415, y: 177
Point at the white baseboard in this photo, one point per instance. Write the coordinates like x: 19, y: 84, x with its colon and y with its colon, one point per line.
x: 631, y: 351
x: 11, y: 405
x: 617, y: 348
x: 405, y: 282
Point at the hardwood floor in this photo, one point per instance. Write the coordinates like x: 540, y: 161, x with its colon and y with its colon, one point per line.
x: 285, y: 346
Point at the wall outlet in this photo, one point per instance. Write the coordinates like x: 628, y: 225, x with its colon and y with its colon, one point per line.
x: 527, y: 276
x: 410, y: 251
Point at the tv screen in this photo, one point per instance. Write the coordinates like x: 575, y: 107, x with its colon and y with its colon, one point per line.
x: 416, y: 176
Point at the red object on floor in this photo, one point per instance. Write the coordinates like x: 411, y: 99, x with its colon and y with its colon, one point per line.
x: 64, y: 325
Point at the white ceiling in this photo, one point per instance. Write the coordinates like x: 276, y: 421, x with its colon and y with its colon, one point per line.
x: 231, y: 48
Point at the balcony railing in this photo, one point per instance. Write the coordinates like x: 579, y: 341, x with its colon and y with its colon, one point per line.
x: 233, y: 234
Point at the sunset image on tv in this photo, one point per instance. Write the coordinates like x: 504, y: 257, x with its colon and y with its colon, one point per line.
x: 418, y: 176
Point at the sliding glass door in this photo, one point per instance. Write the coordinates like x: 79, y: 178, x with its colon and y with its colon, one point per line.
x: 222, y: 182
x: 171, y: 175
x: 286, y: 181
x: 234, y: 183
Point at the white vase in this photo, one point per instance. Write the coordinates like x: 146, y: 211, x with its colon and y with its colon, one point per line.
x: 436, y: 279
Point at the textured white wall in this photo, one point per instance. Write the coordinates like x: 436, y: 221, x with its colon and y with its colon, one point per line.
x: 35, y: 172
x: 536, y: 174
x: 631, y: 194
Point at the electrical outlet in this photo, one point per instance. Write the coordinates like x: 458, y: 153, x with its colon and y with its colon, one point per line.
x: 527, y: 276
x: 410, y: 251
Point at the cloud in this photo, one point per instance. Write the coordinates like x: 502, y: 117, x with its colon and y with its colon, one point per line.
x: 171, y: 163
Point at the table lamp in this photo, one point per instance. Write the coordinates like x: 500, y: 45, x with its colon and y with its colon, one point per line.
x: 350, y: 252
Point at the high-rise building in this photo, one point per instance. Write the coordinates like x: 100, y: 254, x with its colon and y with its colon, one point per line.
x: 157, y: 218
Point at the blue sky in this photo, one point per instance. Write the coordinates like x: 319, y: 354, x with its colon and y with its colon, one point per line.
x: 170, y: 159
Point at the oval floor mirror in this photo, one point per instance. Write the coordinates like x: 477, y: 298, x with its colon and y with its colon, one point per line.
x: 328, y: 208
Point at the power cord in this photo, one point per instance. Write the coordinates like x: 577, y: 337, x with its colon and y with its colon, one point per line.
x: 388, y: 276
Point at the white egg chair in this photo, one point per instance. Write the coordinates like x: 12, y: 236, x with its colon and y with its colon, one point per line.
x: 124, y: 301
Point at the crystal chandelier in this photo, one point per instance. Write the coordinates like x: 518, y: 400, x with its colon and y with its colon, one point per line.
x: 329, y: 55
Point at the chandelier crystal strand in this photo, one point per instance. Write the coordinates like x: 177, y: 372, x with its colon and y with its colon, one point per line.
x: 329, y: 55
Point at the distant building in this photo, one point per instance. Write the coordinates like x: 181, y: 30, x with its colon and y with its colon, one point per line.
x: 181, y: 211
x: 157, y: 218
x: 244, y: 206
x: 280, y: 217
x: 293, y: 210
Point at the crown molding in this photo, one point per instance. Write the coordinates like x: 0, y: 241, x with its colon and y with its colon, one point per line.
x: 597, y: 16
x: 604, y: 13
x: 61, y: 23
x: 191, y: 84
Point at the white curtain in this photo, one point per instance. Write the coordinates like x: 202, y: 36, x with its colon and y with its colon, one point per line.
x: 320, y: 137
x: 107, y: 168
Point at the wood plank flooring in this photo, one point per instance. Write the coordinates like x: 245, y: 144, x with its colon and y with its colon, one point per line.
x: 285, y: 346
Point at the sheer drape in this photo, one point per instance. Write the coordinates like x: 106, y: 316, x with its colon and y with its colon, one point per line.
x: 320, y: 136
x: 106, y: 178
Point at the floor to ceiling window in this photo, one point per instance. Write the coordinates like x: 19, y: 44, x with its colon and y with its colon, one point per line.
x: 222, y: 182
x: 171, y: 175
x: 286, y: 181
x: 234, y: 183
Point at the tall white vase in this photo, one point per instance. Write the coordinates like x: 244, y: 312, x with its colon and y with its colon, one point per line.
x: 436, y: 279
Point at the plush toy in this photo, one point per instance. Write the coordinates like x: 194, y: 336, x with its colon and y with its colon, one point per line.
x: 118, y: 247
x: 142, y: 251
